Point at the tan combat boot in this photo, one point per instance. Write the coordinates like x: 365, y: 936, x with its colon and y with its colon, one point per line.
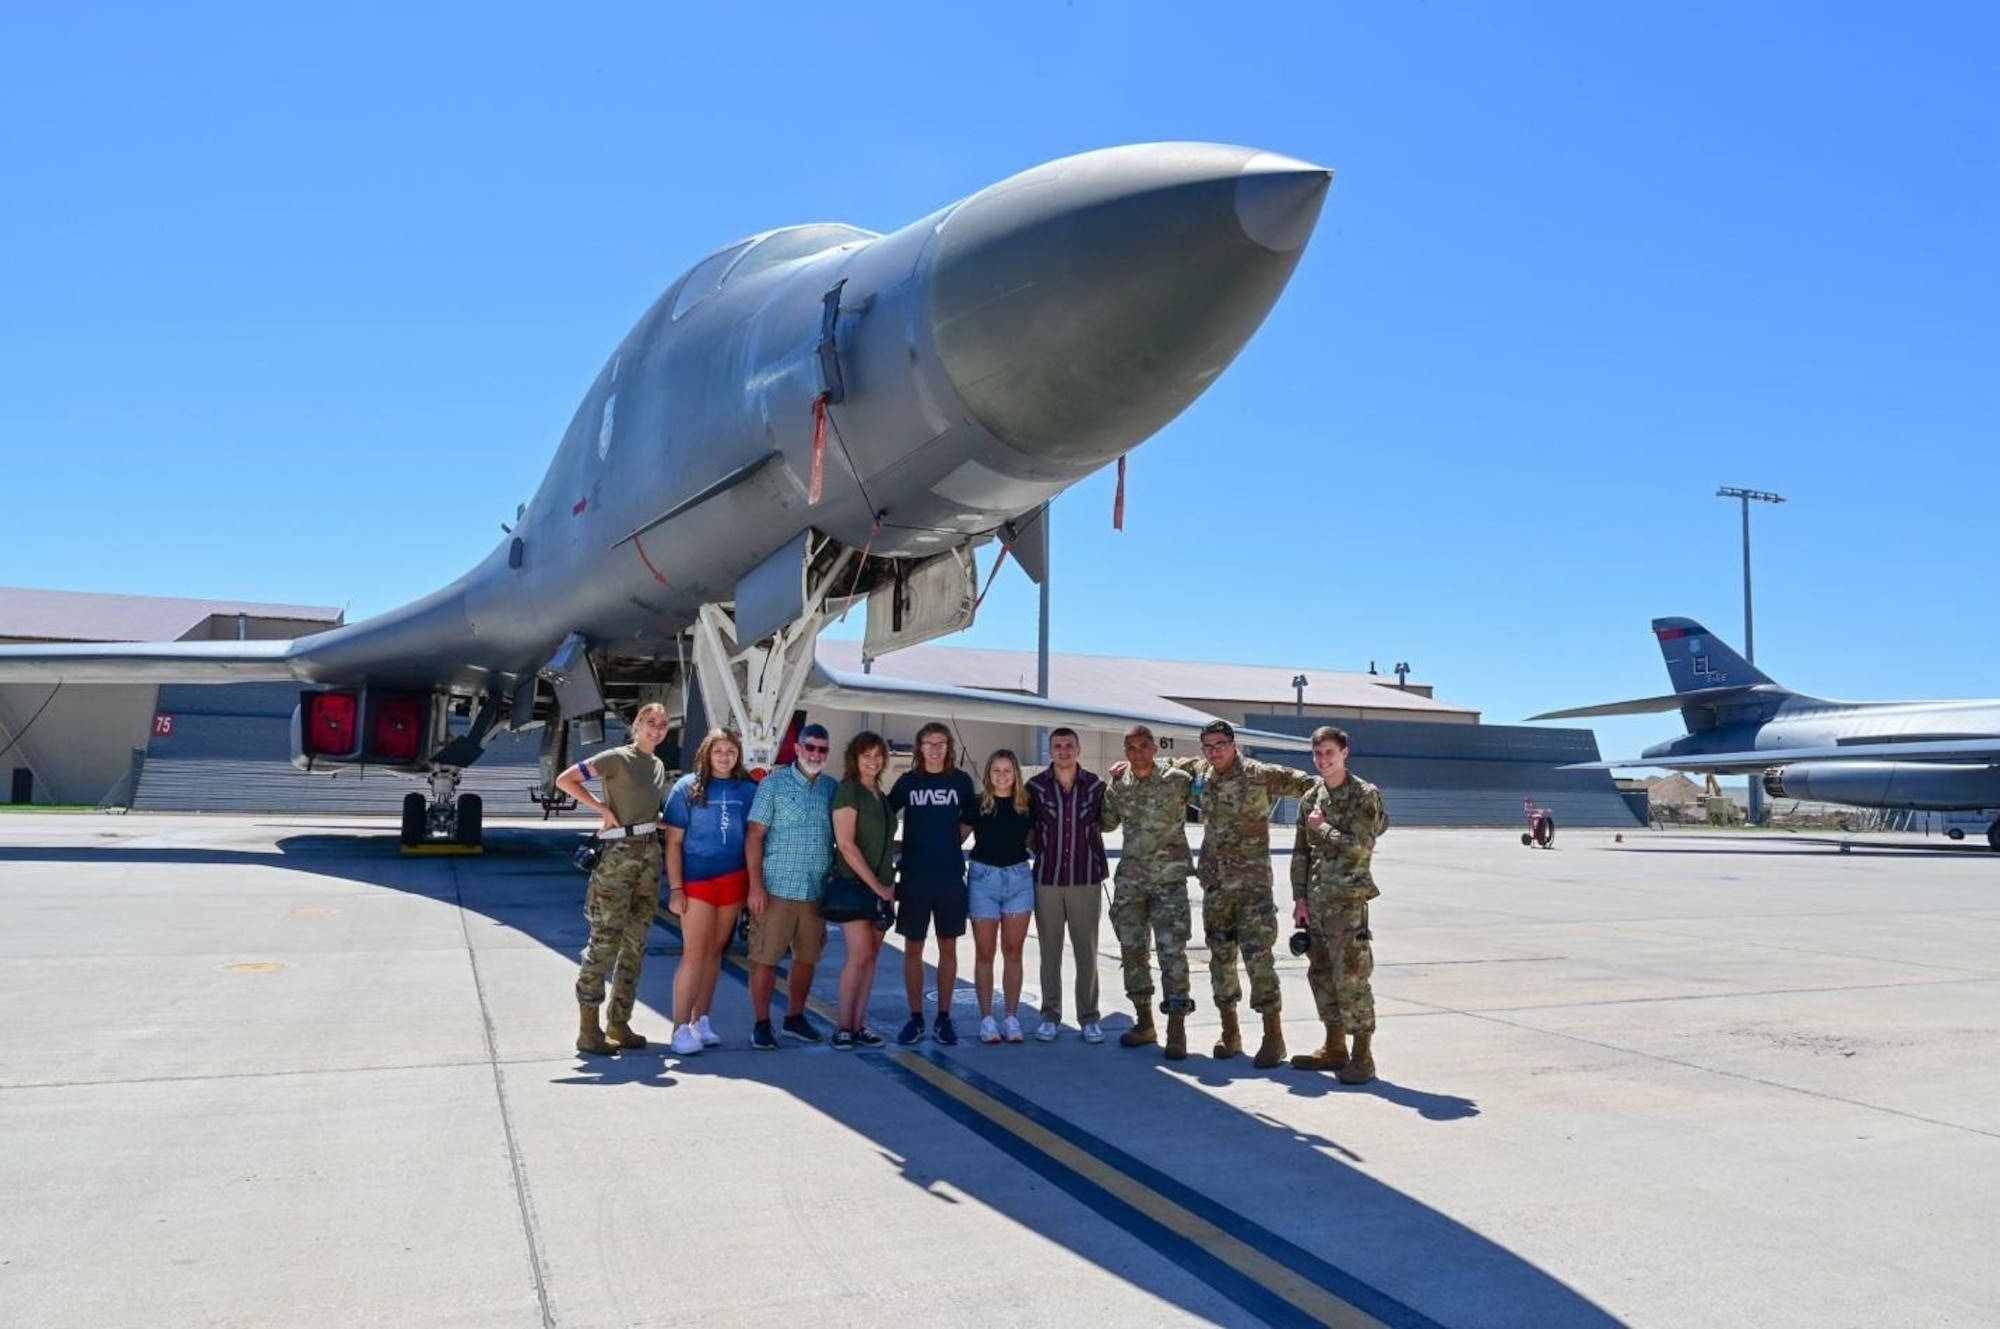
x: 1142, y: 1032
x: 1330, y: 1057
x: 1360, y: 1067
x: 1176, y: 1036
x: 1272, y: 1050
x: 1231, y: 1042
x: 589, y: 1038
x: 621, y: 1034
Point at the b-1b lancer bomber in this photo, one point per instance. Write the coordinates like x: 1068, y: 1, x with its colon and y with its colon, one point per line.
x: 1925, y: 755
x: 809, y: 418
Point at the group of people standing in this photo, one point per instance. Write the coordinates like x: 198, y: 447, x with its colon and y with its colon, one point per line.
x: 803, y: 848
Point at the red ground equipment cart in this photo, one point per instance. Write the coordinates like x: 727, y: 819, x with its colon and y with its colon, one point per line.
x: 1541, y: 825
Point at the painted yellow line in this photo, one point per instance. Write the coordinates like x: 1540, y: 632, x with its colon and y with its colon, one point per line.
x: 1309, y: 1297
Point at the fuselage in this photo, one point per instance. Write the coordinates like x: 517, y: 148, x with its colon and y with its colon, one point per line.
x: 988, y: 356
x: 1874, y: 781
x: 1812, y: 722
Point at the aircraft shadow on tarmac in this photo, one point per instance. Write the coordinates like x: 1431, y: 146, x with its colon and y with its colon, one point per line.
x: 1222, y: 1189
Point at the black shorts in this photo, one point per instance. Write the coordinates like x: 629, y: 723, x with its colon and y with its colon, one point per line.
x: 922, y: 900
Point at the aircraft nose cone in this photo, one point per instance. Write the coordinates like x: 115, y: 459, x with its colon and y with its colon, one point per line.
x: 1082, y: 305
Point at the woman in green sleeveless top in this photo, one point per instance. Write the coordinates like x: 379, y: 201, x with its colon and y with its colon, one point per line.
x: 864, y: 835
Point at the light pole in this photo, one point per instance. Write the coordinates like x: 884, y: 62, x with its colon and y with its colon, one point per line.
x: 1756, y: 783
x: 1299, y: 684
x: 1042, y: 631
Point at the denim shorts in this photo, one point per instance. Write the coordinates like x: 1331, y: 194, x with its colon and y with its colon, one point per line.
x: 997, y: 891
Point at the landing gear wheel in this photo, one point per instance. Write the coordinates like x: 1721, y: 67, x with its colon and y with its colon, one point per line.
x: 471, y: 815
x: 416, y: 818
x: 1993, y: 836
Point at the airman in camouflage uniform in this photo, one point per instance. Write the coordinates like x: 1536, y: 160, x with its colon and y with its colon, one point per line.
x: 1237, y: 909
x: 623, y: 898
x: 624, y: 889
x: 1150, y: 899
x: 1340, y: 818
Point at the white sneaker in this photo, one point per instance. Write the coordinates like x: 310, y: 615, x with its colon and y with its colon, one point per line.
x: 989, y: 1030
x: 1010, y: 1029
x: 1092, y: 1034
x: 1046, y: 1032
x: 709, y: 1038
x: 686, y: 1042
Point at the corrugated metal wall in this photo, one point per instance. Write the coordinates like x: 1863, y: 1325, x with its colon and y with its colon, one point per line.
x: 230, y: 750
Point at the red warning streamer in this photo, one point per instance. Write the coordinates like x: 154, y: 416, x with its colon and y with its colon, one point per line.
x: 649, y: 564
x: 1005, y: 549
x: 1118, y: 503
x: 861, y: 564
x: 819, y: 451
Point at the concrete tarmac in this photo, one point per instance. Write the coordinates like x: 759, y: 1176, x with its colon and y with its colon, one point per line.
x: 259, y: 1071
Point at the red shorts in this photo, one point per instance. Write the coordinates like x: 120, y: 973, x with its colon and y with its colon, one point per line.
x: 724, y: 892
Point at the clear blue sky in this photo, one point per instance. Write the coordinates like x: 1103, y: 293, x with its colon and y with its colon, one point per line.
x: 294, y: 304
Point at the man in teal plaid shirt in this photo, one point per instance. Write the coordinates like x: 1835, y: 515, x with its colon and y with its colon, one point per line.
x: 788, y: 848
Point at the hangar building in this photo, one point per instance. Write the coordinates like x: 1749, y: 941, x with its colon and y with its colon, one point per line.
x: 76, y: 742
x: 227, y: 747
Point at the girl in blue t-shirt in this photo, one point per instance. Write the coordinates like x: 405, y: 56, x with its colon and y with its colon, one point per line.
x: 706, y: 813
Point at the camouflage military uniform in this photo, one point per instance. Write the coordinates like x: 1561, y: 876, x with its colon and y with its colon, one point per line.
x: 1150, y: 898
x: 1330, y: 872
x: 1237, y: 909
x: 623, y: 897
x: 625, y: 887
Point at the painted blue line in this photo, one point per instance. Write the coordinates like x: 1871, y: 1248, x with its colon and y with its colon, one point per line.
x: 1223, y: 1277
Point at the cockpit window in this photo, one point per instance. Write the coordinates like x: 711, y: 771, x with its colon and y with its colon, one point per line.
x: 754, y: 255
x: 706, y: 278
x: 794, y: 242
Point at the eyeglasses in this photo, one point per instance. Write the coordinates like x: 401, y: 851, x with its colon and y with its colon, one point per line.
x: 820, y: 749
x: 1219, y: 745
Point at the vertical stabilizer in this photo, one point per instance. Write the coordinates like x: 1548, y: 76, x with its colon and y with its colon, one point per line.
x: 1698, y: 660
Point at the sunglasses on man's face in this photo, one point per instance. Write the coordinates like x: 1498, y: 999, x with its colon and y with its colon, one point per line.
x: 819, y: 749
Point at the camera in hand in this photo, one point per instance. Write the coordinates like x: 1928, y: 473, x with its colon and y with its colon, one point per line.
x: 885, y: 914
x: 1302, y: 942
x: 586, y: 855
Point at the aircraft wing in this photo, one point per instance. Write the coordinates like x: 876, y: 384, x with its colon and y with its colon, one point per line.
x: 839, y: 690
x: 1728, y: 763
x: 150, y: 662
x: 1672, y: 701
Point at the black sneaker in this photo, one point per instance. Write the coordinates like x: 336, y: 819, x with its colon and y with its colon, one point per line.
x: 762, y: 1038
x: 868, y: 1038
x: 843, y: 1041
x: 912, y: 1032
x: 945, y: 1032
x: 797, y: 1026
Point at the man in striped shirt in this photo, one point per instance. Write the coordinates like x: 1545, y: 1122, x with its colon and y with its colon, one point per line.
x: 1070, y: 868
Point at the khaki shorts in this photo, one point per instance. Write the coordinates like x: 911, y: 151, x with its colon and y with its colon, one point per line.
x: 793, y: 925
